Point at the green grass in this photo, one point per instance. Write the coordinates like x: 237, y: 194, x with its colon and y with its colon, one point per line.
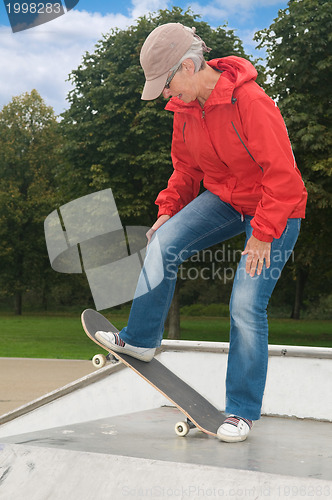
x: 62, y: 336
x: 281, y: 331
x: 43, y: 337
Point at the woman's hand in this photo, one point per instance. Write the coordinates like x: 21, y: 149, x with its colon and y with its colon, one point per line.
x: 159, y: 222
x: 257, y: 252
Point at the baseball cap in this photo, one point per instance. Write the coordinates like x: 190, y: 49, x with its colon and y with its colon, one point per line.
x: 162, y: 49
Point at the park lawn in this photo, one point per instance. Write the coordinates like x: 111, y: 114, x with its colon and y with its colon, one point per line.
x: 281, y: 331
x: 62, y: 336
x: 44, y: 337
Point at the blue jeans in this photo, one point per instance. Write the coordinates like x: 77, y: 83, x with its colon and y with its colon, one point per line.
x: 204, y: 222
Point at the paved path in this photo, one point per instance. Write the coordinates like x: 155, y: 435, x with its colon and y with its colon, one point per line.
x: 23, y: 380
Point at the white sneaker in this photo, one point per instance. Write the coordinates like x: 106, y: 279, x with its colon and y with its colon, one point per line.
x: 113, y: 341
x: 234, y: 429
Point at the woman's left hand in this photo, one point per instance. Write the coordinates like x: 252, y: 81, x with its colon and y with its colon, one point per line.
x: 258, y: 252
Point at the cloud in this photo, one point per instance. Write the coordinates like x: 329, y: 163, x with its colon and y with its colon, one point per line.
x: 221, y: 10
x: 43, y: 57
x: 141, y: 7
x: 243, y: 16
x: 247, y: 38
x: 235, y: 5
x: 211, y: 11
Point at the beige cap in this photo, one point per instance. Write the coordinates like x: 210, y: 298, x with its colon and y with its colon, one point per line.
x: 162, y: 49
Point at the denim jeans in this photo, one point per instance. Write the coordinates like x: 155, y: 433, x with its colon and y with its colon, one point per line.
x: 204, y: 222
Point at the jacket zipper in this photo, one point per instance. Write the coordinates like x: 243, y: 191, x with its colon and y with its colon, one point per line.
x: 237, y: 133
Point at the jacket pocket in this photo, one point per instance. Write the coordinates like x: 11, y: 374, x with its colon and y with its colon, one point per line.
x: 243, y: 144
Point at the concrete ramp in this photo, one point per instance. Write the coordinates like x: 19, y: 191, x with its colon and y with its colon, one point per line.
x: 90, y: 476
x: 110, y: 435
x: 139, y: 456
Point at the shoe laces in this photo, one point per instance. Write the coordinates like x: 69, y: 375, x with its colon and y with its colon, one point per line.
x: 234, y: 420
x: 117, y: 339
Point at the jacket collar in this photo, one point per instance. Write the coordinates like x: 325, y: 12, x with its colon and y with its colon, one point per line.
x: 234, y: 71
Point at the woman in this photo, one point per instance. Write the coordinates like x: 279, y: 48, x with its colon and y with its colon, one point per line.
x: 228, y: 134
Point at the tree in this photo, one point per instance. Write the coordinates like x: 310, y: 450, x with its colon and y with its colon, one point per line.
x: 298, y: 46
x: 29, y: 141
x: 113, y: 138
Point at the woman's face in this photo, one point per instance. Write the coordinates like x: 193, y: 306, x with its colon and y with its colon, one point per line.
x: 183, y: 84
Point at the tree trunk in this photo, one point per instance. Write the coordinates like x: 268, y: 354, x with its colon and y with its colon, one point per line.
x: 18, y: 294
x: 44, y: 297
x: 301, y: 278
x: 18, y: 303
x: 173, y: 320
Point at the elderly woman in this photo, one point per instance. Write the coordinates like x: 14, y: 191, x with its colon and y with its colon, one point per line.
x: 230, y: 135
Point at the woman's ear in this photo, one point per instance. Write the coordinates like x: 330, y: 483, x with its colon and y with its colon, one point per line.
x: 189, y: 66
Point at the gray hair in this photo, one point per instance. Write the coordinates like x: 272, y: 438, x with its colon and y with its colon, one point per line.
x: 195, y: 52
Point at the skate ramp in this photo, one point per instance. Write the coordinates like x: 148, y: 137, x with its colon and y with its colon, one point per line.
x: 138, y: 455
x: 110, y: 435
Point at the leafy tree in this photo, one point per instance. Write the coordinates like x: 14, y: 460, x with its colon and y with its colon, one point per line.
x: 29, y: 140
x: 298, y: 46
x: 113, y: 138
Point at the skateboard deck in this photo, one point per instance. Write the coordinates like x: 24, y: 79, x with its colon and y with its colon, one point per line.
x: 199, y: 411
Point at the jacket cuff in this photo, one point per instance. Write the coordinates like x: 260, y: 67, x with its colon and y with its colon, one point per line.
x: 165, y: 211
x: 262, y: 236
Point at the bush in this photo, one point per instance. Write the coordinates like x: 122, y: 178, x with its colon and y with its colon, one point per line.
x: 216, y: 310
x: 322, y: 310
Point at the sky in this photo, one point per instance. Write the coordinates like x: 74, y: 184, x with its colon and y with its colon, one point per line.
x: 42, y: 57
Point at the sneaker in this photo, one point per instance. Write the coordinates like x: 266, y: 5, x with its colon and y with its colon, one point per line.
x: 113, y: 341
x: 234, y: 429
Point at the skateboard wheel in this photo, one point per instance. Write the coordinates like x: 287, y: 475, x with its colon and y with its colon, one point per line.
x: 99, y: 360
x: 182, y: 428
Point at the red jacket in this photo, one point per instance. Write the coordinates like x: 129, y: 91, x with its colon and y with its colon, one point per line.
x: 239, y: 147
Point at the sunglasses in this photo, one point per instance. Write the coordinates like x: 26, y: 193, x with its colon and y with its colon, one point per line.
x: 170, y: 78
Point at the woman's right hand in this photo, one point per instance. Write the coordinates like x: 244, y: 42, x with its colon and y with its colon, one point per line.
x: 159, y: 222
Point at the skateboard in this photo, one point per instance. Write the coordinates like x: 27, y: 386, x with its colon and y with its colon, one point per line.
x: 200, y: 413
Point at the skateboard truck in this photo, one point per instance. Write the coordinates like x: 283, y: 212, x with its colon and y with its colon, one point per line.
x: 183, y: 428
